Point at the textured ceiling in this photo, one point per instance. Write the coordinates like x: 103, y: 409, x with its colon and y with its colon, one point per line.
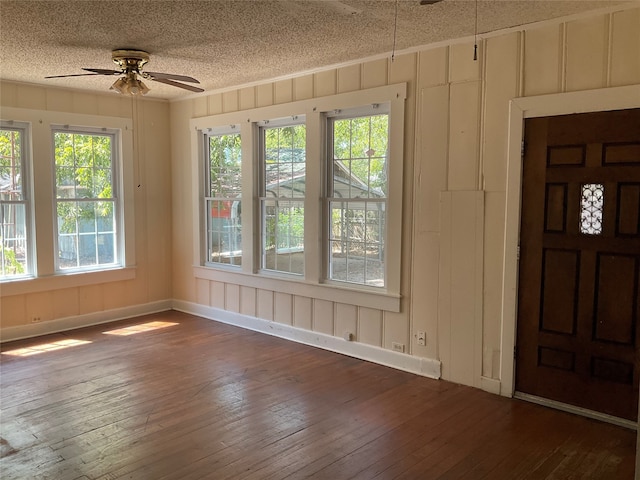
x: 233, y: 42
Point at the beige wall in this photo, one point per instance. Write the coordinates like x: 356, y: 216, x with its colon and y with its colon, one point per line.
x: 57, y: 304
x: 455, y: 190
x: 455, y: 182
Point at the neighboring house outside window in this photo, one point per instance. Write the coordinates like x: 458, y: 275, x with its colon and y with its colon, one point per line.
x: 15, y: 255
x: 222, y: 199
x: 87, y: 204
x: 282, y: 197
x: 357, y: 198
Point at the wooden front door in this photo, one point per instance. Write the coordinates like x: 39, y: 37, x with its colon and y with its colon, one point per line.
x: 579, y: 274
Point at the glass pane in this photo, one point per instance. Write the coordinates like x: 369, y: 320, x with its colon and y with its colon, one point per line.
x: 224, y: 232
x: 101, y: 183
x: 591, y: 208
x: 65, y: 182
x: 360, y: 157
x: 10, y: 165
x: 283, y: 236
x: 106, y: 248
x: 83, y: 161
x: 14, y: 240
x: 225, y: 163
x: 87, y: 251
x: 285, y: 157
x: 86, y: 234
x: 357, y: 242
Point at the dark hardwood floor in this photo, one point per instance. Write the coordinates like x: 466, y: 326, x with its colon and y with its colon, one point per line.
x: 204, y: 400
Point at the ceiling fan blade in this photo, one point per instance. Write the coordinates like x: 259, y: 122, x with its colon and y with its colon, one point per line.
x: 73, y: 75
x: 176, y: 84
x: 102, y: 71
x: 170, y: 76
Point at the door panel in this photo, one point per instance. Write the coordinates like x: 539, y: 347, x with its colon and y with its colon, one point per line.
x: 579, y: 275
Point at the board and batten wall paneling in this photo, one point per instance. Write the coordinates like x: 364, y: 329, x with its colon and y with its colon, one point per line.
x: 460, y: 318
x: 624, y: 59
x: 248, y: 301
x: 323, y: 316
x: 369, y: 326
x: 283, y: 308
x: 464, y: 130
x: 586, y: 50
x: 543, y: 56
x: 302, y: 312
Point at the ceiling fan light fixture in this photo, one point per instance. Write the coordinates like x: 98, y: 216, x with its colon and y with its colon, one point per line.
x: 130, y: 85
x: 119, y: 85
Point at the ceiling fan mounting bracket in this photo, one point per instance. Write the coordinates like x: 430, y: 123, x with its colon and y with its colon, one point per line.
x: 130, y: 60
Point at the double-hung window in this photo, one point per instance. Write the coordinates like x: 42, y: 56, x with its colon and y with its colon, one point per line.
x: 88, y: 217
x: 322, y: 183
x: 16, y: 255
x: 223, y: 205
x: 357, y: 196
x: 282, y: 195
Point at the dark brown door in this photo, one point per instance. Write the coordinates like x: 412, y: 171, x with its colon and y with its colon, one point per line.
x: 579, y: 285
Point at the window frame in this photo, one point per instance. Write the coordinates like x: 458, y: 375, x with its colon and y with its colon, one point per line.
x: 27, y: 188
x: 313, y: 283
x: 116, y: 183
x: 45, y: 278
x: 263, y: 198
x: 329, y: 196
x: 216, y: 132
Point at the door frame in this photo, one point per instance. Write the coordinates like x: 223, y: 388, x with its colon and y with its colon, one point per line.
x: 521, y: 108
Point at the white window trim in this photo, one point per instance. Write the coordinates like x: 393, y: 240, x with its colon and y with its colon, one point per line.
x: 345, y: 114
x: 211, y: 132
x: 27, y: 186
x: 116, y: 185
x: 43, y: 201
x: 312, y: 285
x: 292, y: 120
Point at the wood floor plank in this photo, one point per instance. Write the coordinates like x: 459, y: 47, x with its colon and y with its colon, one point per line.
x: 203, y: 400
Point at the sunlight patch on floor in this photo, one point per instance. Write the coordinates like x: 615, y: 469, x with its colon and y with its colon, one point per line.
x: 45, y: 347
x: 142, y: 327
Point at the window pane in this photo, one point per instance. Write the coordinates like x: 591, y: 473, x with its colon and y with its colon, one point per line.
x: 14, y: 240
x: 283, y: 234
x: 285, y: 155
x: 282, y: 207
x: 360, y: 156
x: 358, y: 200
x: 357, y: 242
x: 13, y: 206
x: 86, y: 209
x: 223, y: 206
x: 224, y: 233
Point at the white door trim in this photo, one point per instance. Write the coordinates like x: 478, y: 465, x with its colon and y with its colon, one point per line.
x: 605, y: 99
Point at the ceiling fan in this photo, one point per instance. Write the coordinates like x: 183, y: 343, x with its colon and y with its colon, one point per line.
x: 130, y: 63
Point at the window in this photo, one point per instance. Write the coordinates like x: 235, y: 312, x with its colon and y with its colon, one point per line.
x: 357, y: 199
x: 222, y: 199
x: 282, y: 196
x: 321, y: 187
x: 15, y: 210
x: 87, y: 206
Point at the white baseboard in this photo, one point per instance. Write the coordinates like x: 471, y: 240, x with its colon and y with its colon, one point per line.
x: 490, y: 385
x: 426, y: 367
x: 69, y: 323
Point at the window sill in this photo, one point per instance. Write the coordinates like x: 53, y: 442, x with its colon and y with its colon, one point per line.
x: 362, y: 297
x: 67, y: 280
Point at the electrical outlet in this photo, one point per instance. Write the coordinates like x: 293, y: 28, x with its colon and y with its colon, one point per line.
x: 421, y: 338
x: 35, y: 319
x: 397, y: 347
